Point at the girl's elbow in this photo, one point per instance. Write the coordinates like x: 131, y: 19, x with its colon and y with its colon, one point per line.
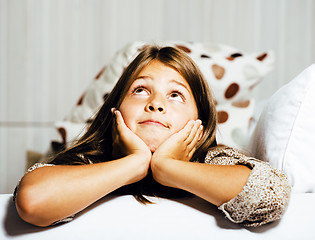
x: 28, y: 208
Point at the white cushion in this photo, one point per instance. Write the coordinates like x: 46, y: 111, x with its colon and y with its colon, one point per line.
x: 285, y: 132
x: 122, y: 217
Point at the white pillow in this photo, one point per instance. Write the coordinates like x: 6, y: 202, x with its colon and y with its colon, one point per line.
x: 285, y: 133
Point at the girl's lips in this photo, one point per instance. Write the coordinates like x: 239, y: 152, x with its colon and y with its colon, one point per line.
x: 153, y: 122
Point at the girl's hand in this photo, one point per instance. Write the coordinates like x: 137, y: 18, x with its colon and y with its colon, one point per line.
x: 181, y: 145
x: 179, y: 148
x: 125, y: 142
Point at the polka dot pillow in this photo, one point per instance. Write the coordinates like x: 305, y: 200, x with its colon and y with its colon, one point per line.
x: 230, y: 72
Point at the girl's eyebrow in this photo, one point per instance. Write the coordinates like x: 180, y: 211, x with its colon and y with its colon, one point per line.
x: 143, y: 77
x: 181, y: 84
x: 171, y: 81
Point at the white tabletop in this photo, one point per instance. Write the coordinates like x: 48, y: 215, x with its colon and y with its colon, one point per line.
x: 125, y: 218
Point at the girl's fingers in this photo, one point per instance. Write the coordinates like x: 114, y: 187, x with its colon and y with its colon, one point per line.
x: 114, y: 127
x: 185, y: 132
x: 197, y: 136
x: 192, y: 146
x: 120, y: 123
x: 201, y: 132
x: 191, y: 153
x: 193, y: 132
x: 120, y: 126
x: 118, y: 117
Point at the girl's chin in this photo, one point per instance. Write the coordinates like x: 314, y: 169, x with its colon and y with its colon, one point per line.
x: 153, y: 145
x: 154, y: 140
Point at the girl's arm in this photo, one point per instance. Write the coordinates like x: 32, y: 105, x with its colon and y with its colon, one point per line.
x: 52, y: 193
x: 49, y: 194
x: 215, y: 183
x: 253, y: 195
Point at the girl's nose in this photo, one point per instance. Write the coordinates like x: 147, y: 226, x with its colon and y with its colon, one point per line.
x: 152, y: 108
x: 155, y: 104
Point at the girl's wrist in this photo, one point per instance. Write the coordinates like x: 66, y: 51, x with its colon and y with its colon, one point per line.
x: 143, y: 156
x: 159, y: 166
x: 140, y: 167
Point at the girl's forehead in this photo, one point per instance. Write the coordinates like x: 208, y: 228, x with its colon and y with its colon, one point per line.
x: 156, y: 69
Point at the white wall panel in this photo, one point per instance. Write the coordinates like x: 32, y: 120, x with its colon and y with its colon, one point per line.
x: 3, y: 59
x: 50, y: 50
x: 51, y: 45
x: 15, y: 141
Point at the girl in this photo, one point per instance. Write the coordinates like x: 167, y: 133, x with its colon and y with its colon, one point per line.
x: 154, y: 135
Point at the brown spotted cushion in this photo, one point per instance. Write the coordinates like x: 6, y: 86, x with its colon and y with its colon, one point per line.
x: 230, y: 72
x: 234, y: 120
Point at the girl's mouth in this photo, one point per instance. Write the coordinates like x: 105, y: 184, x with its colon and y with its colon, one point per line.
x: 153, y: 122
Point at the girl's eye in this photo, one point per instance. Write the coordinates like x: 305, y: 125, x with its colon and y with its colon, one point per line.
x: 177, y: 96
x: 140, y: 91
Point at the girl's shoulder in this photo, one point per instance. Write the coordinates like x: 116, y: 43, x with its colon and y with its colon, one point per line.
x: 38, y: 165
x: 224, y: 155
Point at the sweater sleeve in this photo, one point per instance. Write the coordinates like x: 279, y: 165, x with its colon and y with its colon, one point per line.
x: 265, y: 196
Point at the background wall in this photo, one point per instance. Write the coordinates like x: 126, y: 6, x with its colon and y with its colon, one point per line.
x: 51, y: 49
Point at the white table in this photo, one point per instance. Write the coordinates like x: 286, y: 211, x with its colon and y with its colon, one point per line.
x: 125, y: 218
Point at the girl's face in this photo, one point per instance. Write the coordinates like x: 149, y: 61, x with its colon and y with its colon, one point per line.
x: 158, y: 104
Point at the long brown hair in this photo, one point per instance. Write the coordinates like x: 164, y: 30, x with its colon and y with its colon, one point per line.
x: 96, y: 144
